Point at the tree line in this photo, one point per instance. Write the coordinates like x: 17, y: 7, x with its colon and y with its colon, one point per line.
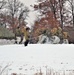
x: 13, y: 13
x: 54, y: 13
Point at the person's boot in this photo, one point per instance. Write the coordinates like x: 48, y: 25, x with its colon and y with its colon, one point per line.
x: 15, y: 42
x: 25, y: 44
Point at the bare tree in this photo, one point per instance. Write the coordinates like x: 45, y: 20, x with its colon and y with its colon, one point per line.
x: 57, y: 7
x: 53, y: 5
x: 61, y: 12
x: 70, y: 11
x: 2, y: 4
x: 16, y: 10
x: 13, y: 7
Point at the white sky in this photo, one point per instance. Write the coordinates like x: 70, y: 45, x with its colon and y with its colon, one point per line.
x: 28, y: 2
x: 32, y: 13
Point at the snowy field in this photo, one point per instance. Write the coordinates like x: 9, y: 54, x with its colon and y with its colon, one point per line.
x: 29, y: 60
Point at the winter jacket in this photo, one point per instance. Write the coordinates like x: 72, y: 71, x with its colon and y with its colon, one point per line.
x: 25, y: 33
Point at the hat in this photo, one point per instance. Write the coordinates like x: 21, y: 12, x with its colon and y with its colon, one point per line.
x: 27, y: 28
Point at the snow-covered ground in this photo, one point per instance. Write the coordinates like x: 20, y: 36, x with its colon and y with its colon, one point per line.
x: 29, y: 60
x: 5, y: 42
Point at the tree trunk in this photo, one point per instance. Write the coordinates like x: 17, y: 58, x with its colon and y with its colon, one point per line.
x: 61, y: 17
x: 73, y: 21
x: 53, y: 8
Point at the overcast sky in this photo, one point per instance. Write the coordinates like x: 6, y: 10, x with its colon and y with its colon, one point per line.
x: 28, y: 2
x: 32, y: 13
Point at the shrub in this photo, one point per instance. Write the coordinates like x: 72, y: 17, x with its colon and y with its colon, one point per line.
x: 6, y: 33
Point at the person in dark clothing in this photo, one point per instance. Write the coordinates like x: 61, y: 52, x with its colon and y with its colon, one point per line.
x: 17, y: 34
x: 27, y: 35
x: 26, y: 42
x: 25, y: 32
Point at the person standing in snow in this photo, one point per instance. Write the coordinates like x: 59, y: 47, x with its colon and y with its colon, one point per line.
x: 26, y: 35
x: 17, y: 35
